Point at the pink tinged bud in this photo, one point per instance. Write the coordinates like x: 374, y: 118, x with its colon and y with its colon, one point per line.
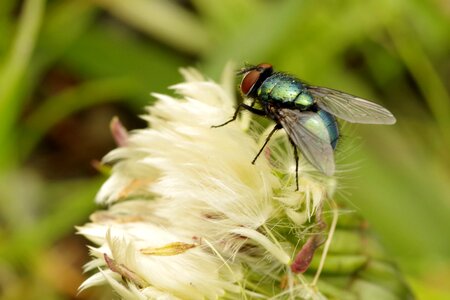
x: 101, y: 167
x: 123, y: 271
x: 119, y: 132
x: 304, y: 257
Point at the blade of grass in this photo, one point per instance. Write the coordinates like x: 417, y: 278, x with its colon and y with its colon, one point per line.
x: 424, y: 73
x: 406, y: 199
x: 108, y: 51
x: 64, y: 23
x: 163, y: 20
x: 257, y: 38
x: 12, y: 74
x: 69, y: 101
x: 71, y: 209
x: 6, y: 24
x: 225, y: 17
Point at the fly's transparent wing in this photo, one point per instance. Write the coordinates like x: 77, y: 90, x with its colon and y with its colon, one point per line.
x: 350, y: 108
x: 316, y: 150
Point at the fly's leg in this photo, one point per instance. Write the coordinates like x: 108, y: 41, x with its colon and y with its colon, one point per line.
x: 296, y: 164
x: 250, y: 108
x: 278, y: 126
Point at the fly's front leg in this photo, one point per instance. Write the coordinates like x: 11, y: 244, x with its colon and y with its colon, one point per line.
x: 278, y: 126
x: 250, y: 108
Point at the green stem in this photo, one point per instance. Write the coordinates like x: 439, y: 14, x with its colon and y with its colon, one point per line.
x: 327, y: 243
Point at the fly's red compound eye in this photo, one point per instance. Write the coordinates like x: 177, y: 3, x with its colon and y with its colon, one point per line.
x: 249, y: 80
x: 253, y: 76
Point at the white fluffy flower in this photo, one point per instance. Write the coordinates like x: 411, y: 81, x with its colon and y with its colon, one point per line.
x: 189, y: 216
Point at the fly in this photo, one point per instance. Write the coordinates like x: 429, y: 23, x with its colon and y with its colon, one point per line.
x: 307, y: 113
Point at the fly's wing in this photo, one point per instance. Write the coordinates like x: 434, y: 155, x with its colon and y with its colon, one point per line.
x: 316, y: 150
x: 350, y: 108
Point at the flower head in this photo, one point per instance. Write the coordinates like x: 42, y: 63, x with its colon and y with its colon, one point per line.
x: 189, y: 216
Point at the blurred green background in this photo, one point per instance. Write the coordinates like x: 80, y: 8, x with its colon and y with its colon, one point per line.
x: 68, y: 66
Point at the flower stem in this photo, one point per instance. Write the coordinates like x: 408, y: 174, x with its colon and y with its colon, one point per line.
x: 327, y: 242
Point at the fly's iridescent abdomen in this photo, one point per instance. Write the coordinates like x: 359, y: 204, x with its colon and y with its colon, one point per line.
x: 323, y: 125
x: 283, y: 88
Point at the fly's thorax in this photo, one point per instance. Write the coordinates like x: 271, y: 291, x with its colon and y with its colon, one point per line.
x: 283, y: 88
x: 266, y: 87
x: 280, y: 87
x: 323, y: 125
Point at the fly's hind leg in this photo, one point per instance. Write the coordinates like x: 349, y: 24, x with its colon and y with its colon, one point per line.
x: 296, y: 163
x: 278, y: 126
x: 250, y: 108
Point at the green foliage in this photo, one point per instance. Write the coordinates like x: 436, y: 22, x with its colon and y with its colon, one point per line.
x: 112, y: 54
